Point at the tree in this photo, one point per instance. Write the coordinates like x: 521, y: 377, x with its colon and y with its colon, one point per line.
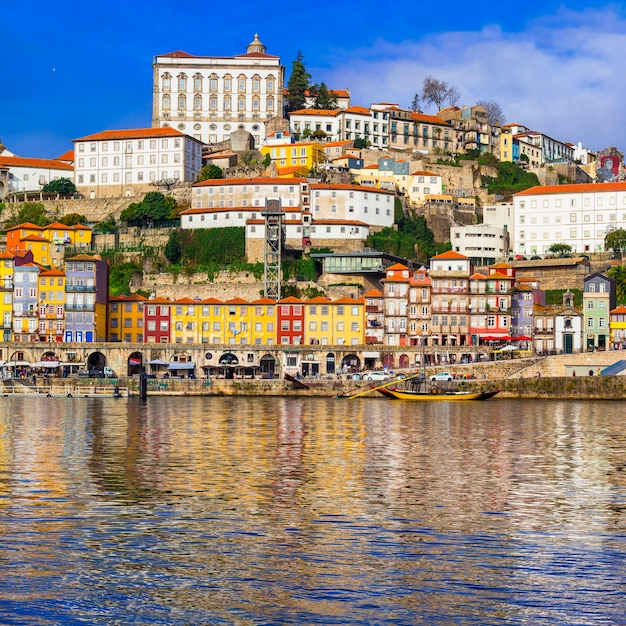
x: 298, y: 84
x: 415, y: 104
x: 560, y: 249
x: 155, y: 207
x: 324, y: 99
x: 439, y: 92
x: 33, y: 212
x: 319, y: 134
x: 495, y: 114
x: 615, y: 240
x: 361, y: 143
x: 71, y: 219
x: 618, y: 274
x: 62, y: 186
x: 210, y: 172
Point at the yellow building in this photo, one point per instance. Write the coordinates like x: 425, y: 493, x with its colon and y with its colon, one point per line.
x: 186, y: 322
x: 126, y: 318
x: 294, y: 160
x: 51, y: 305
x: 59, y: 235
x: 617, y: 326
x: 48, y: 243
x: 6, y: 287
x: 334, y: 322
x: 263, y: 322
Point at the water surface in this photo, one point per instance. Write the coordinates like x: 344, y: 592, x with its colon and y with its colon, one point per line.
x: 311, y: 511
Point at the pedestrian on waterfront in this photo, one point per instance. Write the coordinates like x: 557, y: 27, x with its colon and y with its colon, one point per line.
x: 574, y: 373
x: 599, y: 372
x: 538, y: 374
x: 34, y: 380
x: 590, y: 372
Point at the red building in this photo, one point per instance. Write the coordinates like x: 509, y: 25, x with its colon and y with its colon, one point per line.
x: 157, y: 320
x: 290, y: 321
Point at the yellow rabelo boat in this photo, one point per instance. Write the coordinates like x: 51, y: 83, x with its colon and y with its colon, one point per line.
x: 435, y: 395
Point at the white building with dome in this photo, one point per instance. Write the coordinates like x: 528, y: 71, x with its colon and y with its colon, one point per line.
x: 210, y: 97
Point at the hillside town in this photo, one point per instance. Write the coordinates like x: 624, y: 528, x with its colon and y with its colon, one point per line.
x: 316, y: 181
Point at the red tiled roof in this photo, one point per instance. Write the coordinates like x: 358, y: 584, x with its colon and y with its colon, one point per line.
x: 579, y: 188
x: 132, y: 133
x: 15, y: 161
x: 450, y: 254
x: 428, y: 119
x: 216, y: 182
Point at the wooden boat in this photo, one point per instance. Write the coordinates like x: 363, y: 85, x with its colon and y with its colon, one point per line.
x: 436, y: 395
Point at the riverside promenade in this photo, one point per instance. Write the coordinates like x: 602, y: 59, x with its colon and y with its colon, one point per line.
x: 575, y: 376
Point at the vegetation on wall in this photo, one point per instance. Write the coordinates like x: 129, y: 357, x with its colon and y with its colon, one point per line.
x: 412, y: 240
x: 63, y: 186
x: 203, y: 247
x: 155, y: 207
x: 33, y: 212
x: 511, y: 179
x: 554, y: 297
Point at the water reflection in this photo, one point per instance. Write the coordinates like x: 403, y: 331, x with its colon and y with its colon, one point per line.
x: 272, y: 510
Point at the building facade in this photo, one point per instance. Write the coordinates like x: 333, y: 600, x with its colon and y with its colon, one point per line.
x: 118, y: 163
x: 577, y: 215
x: 210, y: 97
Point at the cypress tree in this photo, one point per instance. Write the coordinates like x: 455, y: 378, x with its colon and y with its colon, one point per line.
x: 298, y: 84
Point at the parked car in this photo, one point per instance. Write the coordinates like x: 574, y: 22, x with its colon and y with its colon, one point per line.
x: 440, y: 376
x: 375, y: 376
x: 93, y: 373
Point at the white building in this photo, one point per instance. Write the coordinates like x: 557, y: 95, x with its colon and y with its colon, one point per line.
x: 314, y: 213
x: 577, y: 215
x: 482, y: 243
x: 422, y: 184
x: 127, y: 162
x: 210, y: 97
x: 19, y: 174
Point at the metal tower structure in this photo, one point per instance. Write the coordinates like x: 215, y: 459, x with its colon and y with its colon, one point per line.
x: 273, y: 246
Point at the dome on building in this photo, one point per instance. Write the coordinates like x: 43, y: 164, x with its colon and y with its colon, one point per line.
x: 256, y: 45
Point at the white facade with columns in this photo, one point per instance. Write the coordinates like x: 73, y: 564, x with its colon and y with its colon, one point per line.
x: 210, y: 97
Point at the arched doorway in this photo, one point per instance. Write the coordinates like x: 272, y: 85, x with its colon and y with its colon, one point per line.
x: 135, y: 363
x: 350, y: 363
x: 330, y: 363
x: 268, y: 366
x: 404, y: 361
x: 388, y: 361
x: 96, y: 361
x: 227, y: 362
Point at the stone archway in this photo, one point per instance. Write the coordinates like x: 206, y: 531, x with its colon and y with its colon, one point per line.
x: 96, y: 361
x: 135, y: 363
x: 350, y: 363
x: 404, y: 362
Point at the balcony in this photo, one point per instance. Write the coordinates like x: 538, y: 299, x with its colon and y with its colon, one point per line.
x: 70, y: 306
x: 80, y: 288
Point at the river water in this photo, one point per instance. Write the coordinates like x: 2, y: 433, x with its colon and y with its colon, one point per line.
x: 311, y: 511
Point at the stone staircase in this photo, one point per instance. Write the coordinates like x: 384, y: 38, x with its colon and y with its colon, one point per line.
x: 560, y: 365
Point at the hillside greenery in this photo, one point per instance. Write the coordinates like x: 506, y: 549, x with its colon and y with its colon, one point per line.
x: 511, y: 179
x: 412, y: 239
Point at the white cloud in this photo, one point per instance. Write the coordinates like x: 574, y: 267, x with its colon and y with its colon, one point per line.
x: 562, y: 75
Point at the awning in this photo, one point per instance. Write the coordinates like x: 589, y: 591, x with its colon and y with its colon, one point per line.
x: 158, y: 362
x: 18, y: 363
x: 66, y: 363
x: 186, y: 365
x: 50, y: 364
x: 371, y: 355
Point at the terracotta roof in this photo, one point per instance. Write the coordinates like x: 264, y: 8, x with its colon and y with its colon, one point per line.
x: 14, y: 161
x: 66, y: 156
x: 178, y: 54
x: 237, y: 300
x: 133, y: 297
x: 159, y: 300
x: 478, y: 276
x: 621, y: 310
x: 428, y: 119
x: 358, y: 110
x: 580, y: 188
x: 291, y: 300
x: 397, y: 266
x: 373, y: 293
x: 264, y: 301
x: 51, y: 272
x: 319, y: 300
x: 349, y: 188
x: 318, y: 112
x: 424, y: 173
x: 132, y: 133
x: 347, y: 222
x: 216, y: 182
x: 25, y: 226
x: 450, y: 254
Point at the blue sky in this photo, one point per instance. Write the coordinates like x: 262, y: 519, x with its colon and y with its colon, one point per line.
x: 77, y: 68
